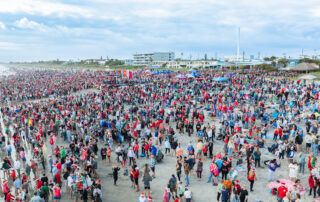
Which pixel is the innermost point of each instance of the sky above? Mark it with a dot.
(32, 30)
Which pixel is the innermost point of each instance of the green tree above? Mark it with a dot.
(164, 65)
(264, 66)
(272, 58)
(283, 62)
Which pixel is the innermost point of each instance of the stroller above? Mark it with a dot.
(159, 156)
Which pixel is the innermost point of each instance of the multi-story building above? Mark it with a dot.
(146, 59)
(163, 56)
(128, 62)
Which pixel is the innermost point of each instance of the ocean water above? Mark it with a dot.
(5, 71)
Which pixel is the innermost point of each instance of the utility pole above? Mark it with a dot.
(238, 47)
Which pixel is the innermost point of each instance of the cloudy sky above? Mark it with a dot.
(78, 29)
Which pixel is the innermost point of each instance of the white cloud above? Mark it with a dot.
(43, 8)
(9, 46)
(24, 23)
(2, 26)
(144, 25)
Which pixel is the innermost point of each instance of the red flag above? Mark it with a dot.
(130, 75)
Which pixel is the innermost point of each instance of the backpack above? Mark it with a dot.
(216, 171)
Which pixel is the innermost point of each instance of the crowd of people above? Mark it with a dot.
(55, 138)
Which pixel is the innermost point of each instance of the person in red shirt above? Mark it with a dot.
(57, 193)
(38, 183)
(58, 179)
(10, 197)
(282, 191)
(146, 148)
(59, 167)
(136, 178)
(280, 132)
(251, 178)
(24, 177)
(312, 186)
(275, 134)
(5, 188)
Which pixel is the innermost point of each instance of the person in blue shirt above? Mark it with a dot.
(219, 163)
(190, 149)
(272, 168)
(224, 194)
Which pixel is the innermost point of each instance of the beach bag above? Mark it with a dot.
(216, 171)
(239, 162)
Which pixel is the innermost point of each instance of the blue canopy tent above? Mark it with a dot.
(194, 71)
(164, 72)
(154, 67)
(196, 75)
(155, 72)
(220, 79)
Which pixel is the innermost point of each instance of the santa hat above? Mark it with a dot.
(237, 181)
(283, 183)
(98, 181)
(5, 181)
(142, 194)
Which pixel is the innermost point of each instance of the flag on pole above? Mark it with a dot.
(130, 75)
(124, 73)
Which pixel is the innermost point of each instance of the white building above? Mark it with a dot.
(92, 61)
(189, 64)
(147, 59)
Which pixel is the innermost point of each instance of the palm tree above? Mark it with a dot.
(283, 62)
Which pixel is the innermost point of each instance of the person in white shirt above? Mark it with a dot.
(308, 139)
(69, 184)
(17, 166)
(187, 195)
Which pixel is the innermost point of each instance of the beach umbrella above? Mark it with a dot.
(308, 77)
(181, 76)
(189, 76)
(289, 184)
